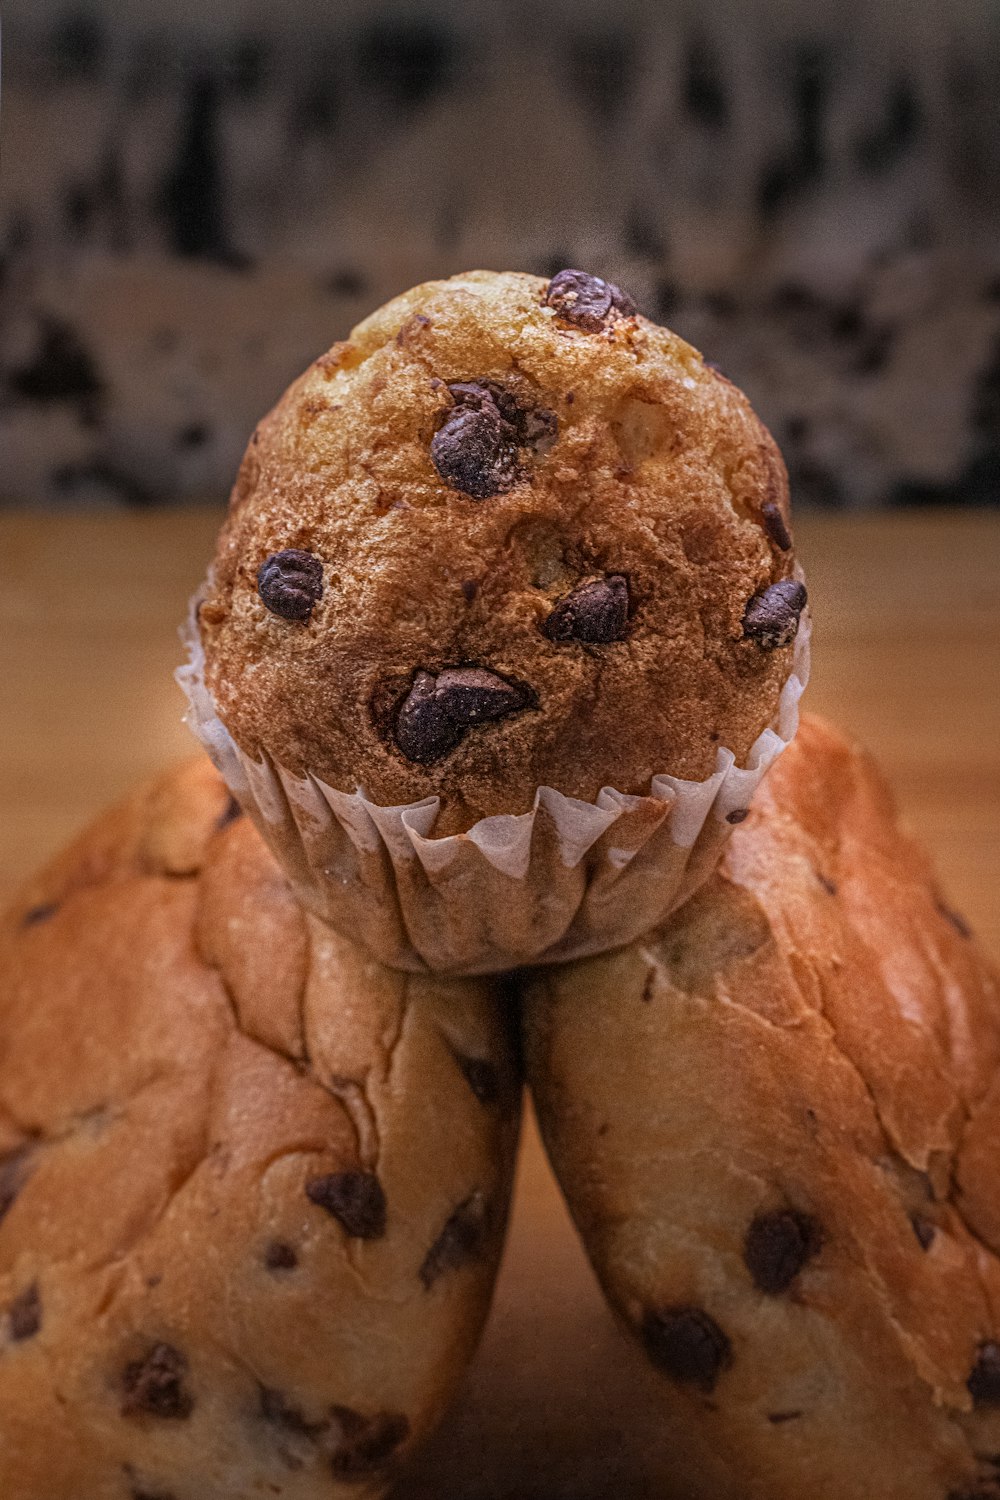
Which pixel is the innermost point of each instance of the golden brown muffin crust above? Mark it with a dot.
(625, 457)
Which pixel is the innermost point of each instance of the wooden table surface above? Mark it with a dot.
(906, 656)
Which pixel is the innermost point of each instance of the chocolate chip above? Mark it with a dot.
(473, 695)
(688, 1345)
(595, 612)
(356, 1199)
(774, 526)
(771, 619)
(280, 1412)
(425, 732)
(25, 1314)
(984, 1382)
(482, 1076)
(738, 815)
(777, 1417)
(587, 301)
(35, 915)
(924, 1230)
(470, 588)
(437, 712)
(14, 1172)
(777, 1246)
(537, 427)
(475, 450)
(232, 811)
(150, 1495)
(154, 1385)
(459, 1242)
(367, 1443)
(280, 1256)
(290, 583)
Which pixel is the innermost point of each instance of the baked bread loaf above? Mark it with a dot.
(776, 1122)
(510, 535)
(252, 1185)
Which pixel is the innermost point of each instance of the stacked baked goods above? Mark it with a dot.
(503, 632)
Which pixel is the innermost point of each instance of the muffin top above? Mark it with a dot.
(509, 534)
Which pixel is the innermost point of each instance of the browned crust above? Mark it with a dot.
(783, 1112)
(183, 1052)
(660, 472)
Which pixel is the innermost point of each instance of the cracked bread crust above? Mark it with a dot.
(617, 454)
(203, 1092)
(776, 1123)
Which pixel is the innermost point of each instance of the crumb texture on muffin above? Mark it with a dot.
(252, 1185)
(503, 476)
(776, 1124)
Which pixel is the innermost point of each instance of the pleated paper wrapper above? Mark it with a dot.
(565, 879)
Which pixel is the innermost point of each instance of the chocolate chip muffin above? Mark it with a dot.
(775, 1121)
(252, 1184)
(510, 535)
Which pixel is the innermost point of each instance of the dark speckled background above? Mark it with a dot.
(192, 206)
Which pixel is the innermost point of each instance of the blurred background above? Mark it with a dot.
(195, 201)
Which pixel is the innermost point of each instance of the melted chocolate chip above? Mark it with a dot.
(459, 1242)
(774, 526)
(367, 1443)
(290, 583)
(777, 1246)
(777, 1417)
(475, 451)
(280, 1256)
(473, 695)
(587, 301)
(25, 1315)
(14, 1172)
(280, 1412)
(595, 612)
(425, 732)
(924, 1230)
(356, 1199)
(437, 712)
(154, 1385)
(483, 1077)
(771, 619)
(35, 915)
(738, 815)
(984, 1381)
(150, 1495)
(688, 1345)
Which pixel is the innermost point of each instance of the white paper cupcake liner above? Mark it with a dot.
(566, 879)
